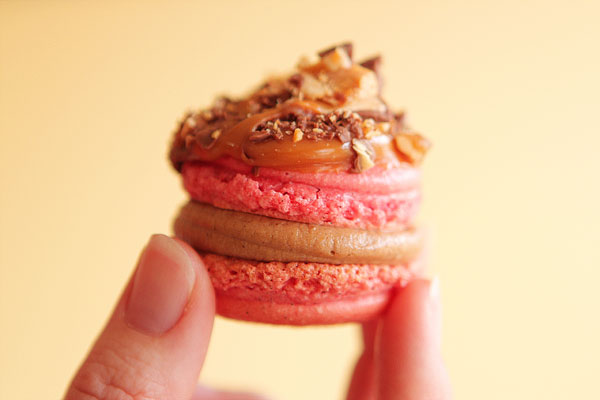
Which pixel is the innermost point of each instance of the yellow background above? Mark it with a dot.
(508, 91)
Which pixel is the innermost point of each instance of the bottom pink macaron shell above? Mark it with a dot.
(298, 293)
(358, 309)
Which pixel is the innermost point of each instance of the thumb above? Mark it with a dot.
(154, 344)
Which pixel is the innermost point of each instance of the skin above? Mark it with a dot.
(155, 342)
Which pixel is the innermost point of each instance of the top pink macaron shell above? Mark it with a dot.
(375, 199)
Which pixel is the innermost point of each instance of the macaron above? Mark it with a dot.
(303, 195)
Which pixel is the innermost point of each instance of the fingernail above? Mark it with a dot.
(162, 285)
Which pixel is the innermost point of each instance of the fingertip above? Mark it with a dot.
(407, 348)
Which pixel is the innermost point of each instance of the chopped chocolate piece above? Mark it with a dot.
(346, 46)
(262, 136)
(377, 116)
(296, 80)
(343, 124)
(374, 64)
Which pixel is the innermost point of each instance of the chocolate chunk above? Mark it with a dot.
(377, 116)
(296, 80)
(374, 64)
(346, 46)
(261, 136)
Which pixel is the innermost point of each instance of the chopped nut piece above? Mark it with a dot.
(412, 145)
(208, 115)
(370, 129)
(191, 122)
(368, 125)
(364, 158)
(297, 135)
(317, 130)
(215, 135)
(384, 127)
(337, 59)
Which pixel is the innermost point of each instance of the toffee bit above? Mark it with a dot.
(189, 140)
(412, 146)
(340, 97)
(347, 47)
(297, 135)
(215, 134)
(208, 115)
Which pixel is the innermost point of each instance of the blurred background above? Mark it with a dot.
(508, 91)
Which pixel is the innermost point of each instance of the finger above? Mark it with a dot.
(204, 393)
(362, 383)
(407, 350)
(154, 344)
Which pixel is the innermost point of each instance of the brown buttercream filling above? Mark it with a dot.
(255, 237)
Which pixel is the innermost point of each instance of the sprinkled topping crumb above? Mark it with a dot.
(297, 135)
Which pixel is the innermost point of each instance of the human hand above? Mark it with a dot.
(154, 344)
(401, 357)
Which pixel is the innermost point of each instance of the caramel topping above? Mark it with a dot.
(328, 115)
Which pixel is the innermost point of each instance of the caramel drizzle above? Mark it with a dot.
(285, 153)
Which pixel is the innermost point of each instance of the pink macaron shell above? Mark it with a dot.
(384, 199)
(301, 293)
(357, 309)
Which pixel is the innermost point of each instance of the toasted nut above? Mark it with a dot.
(364, 159)
(369, 128)
(191, 122)
(337, 59)
(298, 134)
(413, 146)
(384, 127)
